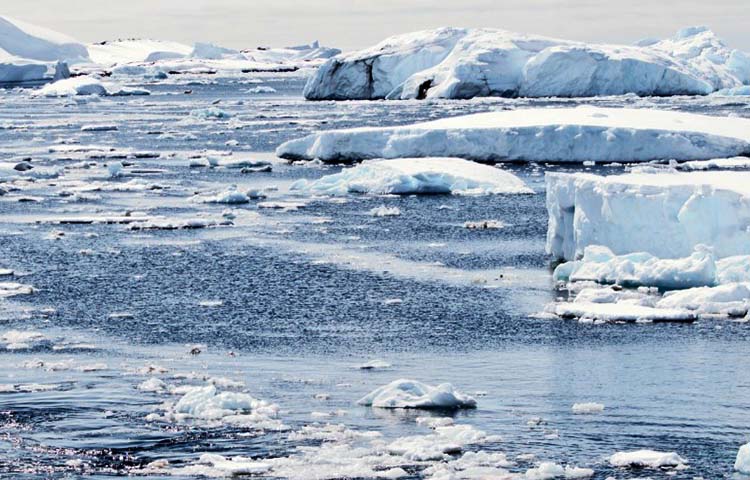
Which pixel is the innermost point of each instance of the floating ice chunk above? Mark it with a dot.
(233, 408)
(646, 458)
(374, 364)
(538, 134)
(153, 384)
(485, 225)
(115, 169)
(734, 163)
(742, 463)
(11, 289)
(444, 441)
(230, 197)
(588, 407)
(383, 211)
(21, 340)
(620, 312)
(261, 89)
(730, 299)
(413, 394)
(210, 113)
(600, 265)
(416, 175)
(211, 303)
(664, 214)
(99, 128)
(549, 470)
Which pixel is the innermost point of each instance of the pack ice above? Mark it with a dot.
(31, 53)
(538, 134)
(466, 63)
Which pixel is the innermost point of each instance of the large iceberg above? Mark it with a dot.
(664, 214)
(416, 175)
(539, 134)
(30, 53)
(466, 63)
(118, 52)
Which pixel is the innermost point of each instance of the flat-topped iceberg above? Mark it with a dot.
(413, 394)
(539, 134)
(416, 175)
(664, 214)
(117, 52)
(466, 63)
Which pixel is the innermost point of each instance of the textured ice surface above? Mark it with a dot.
(541, 134)
(413, 394)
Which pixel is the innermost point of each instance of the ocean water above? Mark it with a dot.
(288, 302)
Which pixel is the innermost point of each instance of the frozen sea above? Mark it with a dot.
(290, 298)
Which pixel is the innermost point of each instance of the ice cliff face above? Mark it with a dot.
(466, 63)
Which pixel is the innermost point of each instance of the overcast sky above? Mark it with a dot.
(350, 24)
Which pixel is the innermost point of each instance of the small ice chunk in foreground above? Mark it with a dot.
(412, 394)
(742, 463)
(646, 458)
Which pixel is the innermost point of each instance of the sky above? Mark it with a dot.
(351, 24)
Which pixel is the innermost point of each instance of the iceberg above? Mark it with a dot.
(742, 463)
(665, 214)
(413, 394)
(29, 53)
(117, 52)
(538, 134)
(86, 85)
(416, 175)
(466, 63)
(646, 458)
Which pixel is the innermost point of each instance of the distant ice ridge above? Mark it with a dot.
(539, 134)
(30, 53)
(416, 175)
(413, 394)
(665, 214)
(466, 63)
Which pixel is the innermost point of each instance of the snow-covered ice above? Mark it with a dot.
(665, 214)
(646, 458)
(416, 175)
(742, 462)
(466, 63)
(587, 407)
(620, 312)
(86, 85)
(413, 394)
(538, 134)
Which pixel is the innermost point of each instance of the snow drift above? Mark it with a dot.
(540, 134)
(466, 63)
(416, 175)
(664, 214)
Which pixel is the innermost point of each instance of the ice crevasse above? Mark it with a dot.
(466, 63)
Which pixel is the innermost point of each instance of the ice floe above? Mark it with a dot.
(620, 312)
(466, 63)
(383, 211)
(665, 214)
(539, 134)
(416, 175)
(742, 462)
(413, 394)
(587, 407)
(647, 458)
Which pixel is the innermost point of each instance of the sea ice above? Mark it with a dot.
(538, 134)
(416, 175)
(413, 394)
(646, 458)
(620, 312)
(742, 463)
(86, 85)
(588, 407)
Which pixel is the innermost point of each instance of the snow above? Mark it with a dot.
(742, 463)
(538, 134)
(646, 458)
(416, 175)
(588, 407)
(466, 63)
(86, 85)
(413, 394)
(666, 214)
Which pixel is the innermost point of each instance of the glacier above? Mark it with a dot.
(537, 134)
(465, 63)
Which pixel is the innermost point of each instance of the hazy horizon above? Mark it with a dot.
(355, 24)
